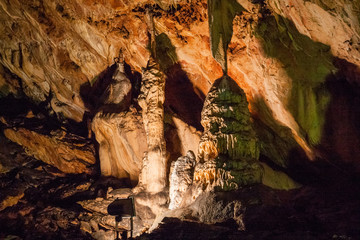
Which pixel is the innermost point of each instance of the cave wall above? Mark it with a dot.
(297, 62)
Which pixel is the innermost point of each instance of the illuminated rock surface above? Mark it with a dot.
(228, 128)
(151, 100)
(181, 178)
(284, 55)
(67, 152)
(119, 135)
(297, 63)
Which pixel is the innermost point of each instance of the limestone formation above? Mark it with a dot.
(50, 49)
(122, 143)
(117, 96)
(67, 152)
(229, 148)
(181, 177)
(180, 137)
(151, 99)
(119, 130)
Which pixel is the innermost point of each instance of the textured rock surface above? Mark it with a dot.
(117, 95)
(181, 178)
(151, 100)
(69, 153)
(118, 129)
(282, 54)
(229, 135)
(53, 48)
(122, 143)
(49, 208)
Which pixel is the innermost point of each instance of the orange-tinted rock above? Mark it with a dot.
(69, 153)
(151, 100)
(122, 143)
(55, 47)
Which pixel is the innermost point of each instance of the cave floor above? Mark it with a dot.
(43, 204)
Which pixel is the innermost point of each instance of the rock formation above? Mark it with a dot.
(151, 99)
(48, 50)
(122, 143)
(118, 129)
(67, 152)
(282, 84)
(117, 95)
(229, 149)
(181, 178)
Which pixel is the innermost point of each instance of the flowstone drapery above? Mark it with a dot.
(117, 128)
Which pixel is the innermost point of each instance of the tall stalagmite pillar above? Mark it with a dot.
(151, 99)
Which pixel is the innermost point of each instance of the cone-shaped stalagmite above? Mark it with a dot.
(229, 148)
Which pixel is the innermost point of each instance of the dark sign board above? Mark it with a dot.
(123, 207)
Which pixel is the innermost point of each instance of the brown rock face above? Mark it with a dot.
(285, 55)
(66, 152)
(122, 143)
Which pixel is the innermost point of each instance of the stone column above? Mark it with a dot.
(151, 99)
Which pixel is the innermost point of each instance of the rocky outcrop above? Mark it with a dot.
(118, 128)
(117, 95)
(67, 152)
(122, 143)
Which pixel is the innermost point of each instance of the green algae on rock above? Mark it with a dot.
(229, 149)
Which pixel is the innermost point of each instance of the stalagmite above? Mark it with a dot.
(181, 177)
(228, 149)
(117, 95)
(151, 100)
(116, 129)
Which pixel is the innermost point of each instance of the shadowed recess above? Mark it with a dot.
(308, 64)
(325, 91)
(180, 96)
